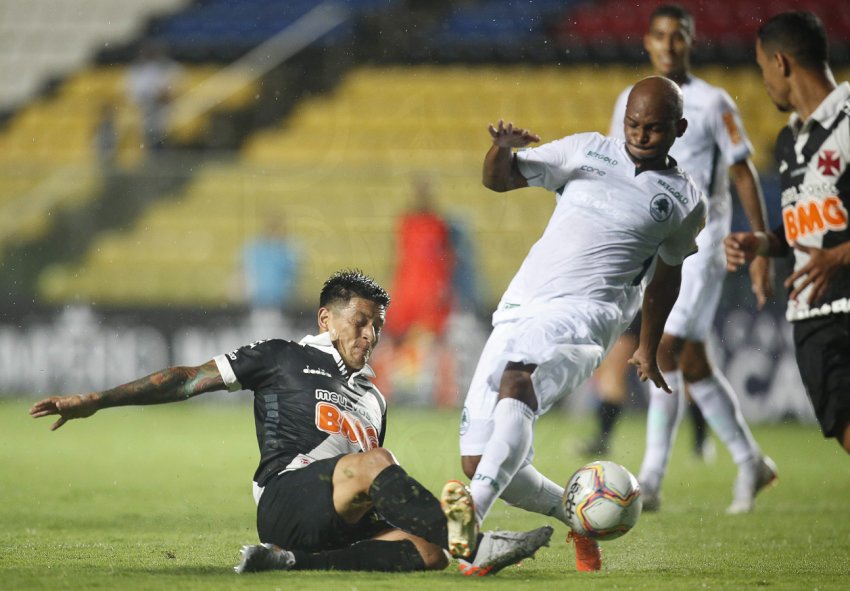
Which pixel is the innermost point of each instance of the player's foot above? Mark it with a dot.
(650, 497)
(459, 509)
(498, 549)
(749, 483)
(588, 552)
(260, 557)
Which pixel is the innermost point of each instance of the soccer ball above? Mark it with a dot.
(602, 500)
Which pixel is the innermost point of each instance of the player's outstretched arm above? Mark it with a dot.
(168, 385)
(661, 294)
(752, 200)
(500, 169)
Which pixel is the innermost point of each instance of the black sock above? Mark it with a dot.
(699, 426)
(608, 414)
(408, 505)
(374, 555)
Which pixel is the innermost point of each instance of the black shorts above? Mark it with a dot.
(823, 356)
(296, 512)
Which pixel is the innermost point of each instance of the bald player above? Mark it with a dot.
(625, 219)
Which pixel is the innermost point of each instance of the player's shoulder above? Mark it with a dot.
(679, 184)
(706, 93)
(591, 137)
(583, 141)
(285, 347)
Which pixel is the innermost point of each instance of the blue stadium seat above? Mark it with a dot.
(245, 24)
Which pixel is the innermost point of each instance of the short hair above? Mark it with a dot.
(350, 283)
(799, 34)
(675, 11)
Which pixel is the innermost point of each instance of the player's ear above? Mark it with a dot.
(681, 127)
(323, 319)
(782, 63)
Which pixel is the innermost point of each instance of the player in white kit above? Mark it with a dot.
(625, 218)
(714, 144)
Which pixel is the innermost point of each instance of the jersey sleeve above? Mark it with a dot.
(550, 165)
(683, 242)
(615, 129)
(729, 133)
(250, 366)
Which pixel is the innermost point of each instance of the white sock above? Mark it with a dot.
(504, 453)
(719, 406)
(532, 491)
(662, 420)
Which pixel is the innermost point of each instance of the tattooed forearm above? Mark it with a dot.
(168, 385)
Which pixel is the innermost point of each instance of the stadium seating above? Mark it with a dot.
(725, 28)
(43, 39)
(49, 158)
(228, 29)
(339, 170)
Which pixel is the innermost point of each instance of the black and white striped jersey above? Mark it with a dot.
(813, 161)
(307, 407)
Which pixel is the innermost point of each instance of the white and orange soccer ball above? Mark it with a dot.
(602, 500)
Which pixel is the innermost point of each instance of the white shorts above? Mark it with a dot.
(703, 273)
(566, 348)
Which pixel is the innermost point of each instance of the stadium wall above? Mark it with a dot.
(80, 349)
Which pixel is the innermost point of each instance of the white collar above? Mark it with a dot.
(826, 111)
(323, 343)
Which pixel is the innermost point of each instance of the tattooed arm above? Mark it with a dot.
(168, 385)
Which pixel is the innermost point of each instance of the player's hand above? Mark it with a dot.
(761, 279)
(508, 136)
(647, 369)
(741, 248)
(817, 272)
(67, 407)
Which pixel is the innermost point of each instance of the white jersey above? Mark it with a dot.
(608, 226)
(714, 141)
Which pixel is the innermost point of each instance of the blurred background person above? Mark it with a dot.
(270, 268)
(812, 153)
(152, 82)
(105, 138)
(423, 298)
(714, 148)
(615, 384)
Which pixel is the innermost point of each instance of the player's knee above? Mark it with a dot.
(469, 464)
(694, 363)
(516, 383)
(669, 351)
(360, 469)
(376, 460)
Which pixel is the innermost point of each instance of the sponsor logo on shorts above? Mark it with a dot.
(661, 207)
(464, 421)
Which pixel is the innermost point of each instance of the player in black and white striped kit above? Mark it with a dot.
(329, 496)
(812, 153)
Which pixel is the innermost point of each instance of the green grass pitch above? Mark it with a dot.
(160, 498)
